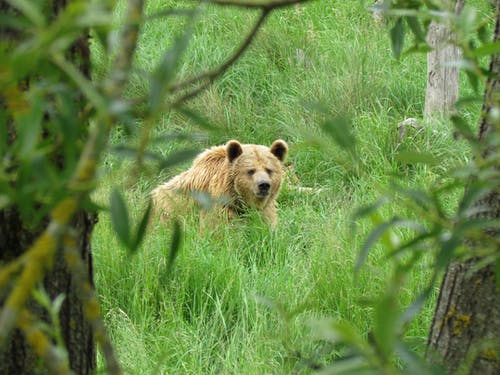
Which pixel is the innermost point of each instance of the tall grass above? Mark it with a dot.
(242, 299)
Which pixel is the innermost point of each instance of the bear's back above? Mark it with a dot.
(209, 173)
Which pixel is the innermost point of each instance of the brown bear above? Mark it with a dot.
(236, 175)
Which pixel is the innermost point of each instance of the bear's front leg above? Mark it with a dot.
(270, 215)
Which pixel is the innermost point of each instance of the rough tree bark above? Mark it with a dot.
(442, 79)
(18, 357)
(465, 332)
(15, 237)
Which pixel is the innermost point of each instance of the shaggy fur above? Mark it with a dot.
(244, 175)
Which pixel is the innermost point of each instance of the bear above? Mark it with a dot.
(235, 175)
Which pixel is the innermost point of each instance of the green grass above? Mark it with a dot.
(216, 312)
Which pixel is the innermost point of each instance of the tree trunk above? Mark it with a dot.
(465, 332)
(442, 79)
(466, 325)
(17, 357)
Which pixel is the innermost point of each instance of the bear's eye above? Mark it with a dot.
(251, 172)
(269, 171)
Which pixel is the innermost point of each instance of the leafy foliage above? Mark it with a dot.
(49, 101)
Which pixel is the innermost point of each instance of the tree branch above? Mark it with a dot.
(211, 75)
(262, 4)
(43, 346)
(89, 301)
(128, 43)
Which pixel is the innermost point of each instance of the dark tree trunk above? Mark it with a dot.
(465, 332)
(466, 325)
(15, 237)
(18, 357)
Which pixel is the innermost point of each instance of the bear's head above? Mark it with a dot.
(256, 171)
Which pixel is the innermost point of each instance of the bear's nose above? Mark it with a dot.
(264, 187)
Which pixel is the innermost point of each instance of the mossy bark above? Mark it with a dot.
(466, 328)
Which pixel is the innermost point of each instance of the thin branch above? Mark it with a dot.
(39, 258)
(128, 44)
(89, 301)
(262, 4)
(211, 75)
(56, 364)
(9, 270)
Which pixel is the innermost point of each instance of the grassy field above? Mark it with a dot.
(243, 299)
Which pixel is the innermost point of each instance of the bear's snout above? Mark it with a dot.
(264, 187)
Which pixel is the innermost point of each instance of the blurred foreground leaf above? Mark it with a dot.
(120, 217)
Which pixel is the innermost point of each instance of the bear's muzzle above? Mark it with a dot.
(264, 187)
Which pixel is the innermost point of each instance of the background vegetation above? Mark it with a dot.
(242, 299)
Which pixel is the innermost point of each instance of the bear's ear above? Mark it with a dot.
(279, 149)
(233, 150)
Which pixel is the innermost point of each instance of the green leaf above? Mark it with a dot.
(397, 37)
(171, 12)
(487, 49)
(411, 244)
(30, 10)
(120, 218)
(165, 72)
(477, 225)
(449, 243)
(419, 196)
(141, 229)
(57, 303)
(175, 245)
(275, 306)
(432, 5)
(197, 118)
(3, 133)
(178, 157)
(471, 195)
(467, 21)
(468, 100)
(337, 332)
(41, 296)
(386, 324)
(100, 34)
(497, 274)
(339, 129)
(416, 305)
(176, 136)
(413, 157)
(84, 85)
(417, 48)
(91, 206)
(368, 209)
(131, 152)
(482, 33)
(473, 79)
(415, 27)
(29, 125)
(370, 241)
(349, 365)
(462, 127)
(415, 364)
